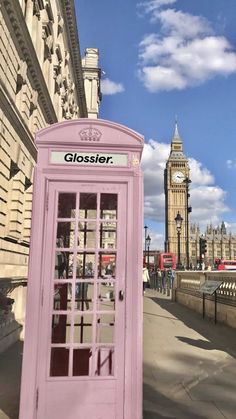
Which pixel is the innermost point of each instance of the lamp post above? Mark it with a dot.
(178, 221)
(145, 242)
(188, 210)
(148, 240)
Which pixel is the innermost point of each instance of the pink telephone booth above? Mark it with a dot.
(83, 342)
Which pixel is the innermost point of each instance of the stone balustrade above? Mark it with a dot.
(187, 292)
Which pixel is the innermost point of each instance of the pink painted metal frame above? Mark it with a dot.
(91, 136)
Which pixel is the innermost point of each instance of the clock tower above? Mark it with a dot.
(176, 180)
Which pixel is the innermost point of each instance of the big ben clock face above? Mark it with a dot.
(178, 177)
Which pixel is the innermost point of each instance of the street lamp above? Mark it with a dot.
(148, 240)
(188, 210)
(178, 221)
(145, 242)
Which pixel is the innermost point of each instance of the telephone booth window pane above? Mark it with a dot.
(63, 265)
(84, 296)
(108, 235)
(61, 328)
(83, 328)
(87, 235)
(85, 265)
(105, 328)
(81, 361)
(107, 265)
(66, 205)
(88, 205)
(65, 234)
(108, 206)
(105, 296)
(59, 365)
(104, 362)
(62, 297)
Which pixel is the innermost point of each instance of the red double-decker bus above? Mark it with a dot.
(166, 260)
(225, 265)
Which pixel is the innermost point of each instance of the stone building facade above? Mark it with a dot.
(42, 81)
(220, 244)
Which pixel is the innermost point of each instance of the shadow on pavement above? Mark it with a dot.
(156, 405)
(10, 377)
(220, 336)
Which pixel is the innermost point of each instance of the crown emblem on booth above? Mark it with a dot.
(90, 134)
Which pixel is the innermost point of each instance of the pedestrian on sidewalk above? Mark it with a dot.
(146, 278)
(159, 283)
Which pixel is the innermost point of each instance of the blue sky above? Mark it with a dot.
(163, 58)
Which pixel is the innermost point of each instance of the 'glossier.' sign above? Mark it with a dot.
(77, 158)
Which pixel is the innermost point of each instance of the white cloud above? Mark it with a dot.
(152, 5)
(161, 78)
(183, 25)
(157, 239)
(185, 52)
(231, 227)
(231, 164)
(207, 199)
(208, 204)
(200, 175)
(109, 87)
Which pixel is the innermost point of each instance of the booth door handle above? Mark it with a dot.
(121, 295)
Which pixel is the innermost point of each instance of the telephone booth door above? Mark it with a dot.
(81, 354)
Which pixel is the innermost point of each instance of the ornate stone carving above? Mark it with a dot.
(21, 75)
(67, 56)
(48, 40)
(60, 21)
(48, 8)
(58, 52)
(33, 101)
(37, 6)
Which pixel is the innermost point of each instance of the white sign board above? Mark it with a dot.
(78, 158)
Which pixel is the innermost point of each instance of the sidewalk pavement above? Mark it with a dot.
(189, 365)
(10, 375)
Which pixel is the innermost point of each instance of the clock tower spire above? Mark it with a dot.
(176, 176)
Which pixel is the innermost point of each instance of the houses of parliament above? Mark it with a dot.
(220, 243)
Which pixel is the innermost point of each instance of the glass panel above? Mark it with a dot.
(66, 205)
(108, 235)
(82, 361)
(61, 328)
(83, 328)
(105, 296)
(87, 235)
(88, 205)
(84, 296)
(85, 265)
(65, 234)
(107, 265)
(104, 361)
(105, 328)
(59, 362)
(62, 297)
(63, 265)
(108, 206)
